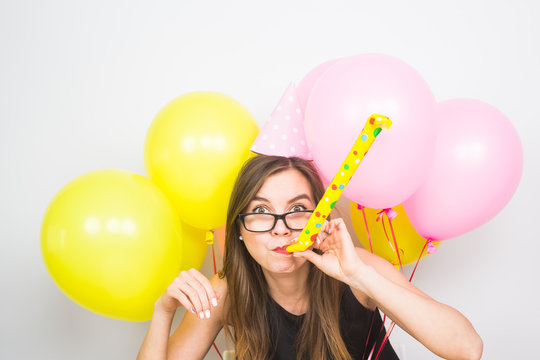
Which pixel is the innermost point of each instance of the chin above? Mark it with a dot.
(288, 264)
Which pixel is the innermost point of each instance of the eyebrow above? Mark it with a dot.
(294, 199)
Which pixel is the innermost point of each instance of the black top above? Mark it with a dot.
(355, 323)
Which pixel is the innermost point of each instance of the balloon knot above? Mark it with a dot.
(360, 207)
(430, 247)
(210, 237)
(390, 213)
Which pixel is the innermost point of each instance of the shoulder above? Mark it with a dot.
(219, 283)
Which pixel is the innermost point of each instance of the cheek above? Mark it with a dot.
(254, 245)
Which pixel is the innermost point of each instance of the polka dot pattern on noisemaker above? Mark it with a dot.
(339, 182)
(283, 134)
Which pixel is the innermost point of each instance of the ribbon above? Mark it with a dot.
(215, 347)
(430, 249)
(390, 214)
(362, 207)
(390, 328)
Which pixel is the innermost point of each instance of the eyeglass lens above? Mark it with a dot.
(265, 222)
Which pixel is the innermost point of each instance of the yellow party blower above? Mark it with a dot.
(364, 141)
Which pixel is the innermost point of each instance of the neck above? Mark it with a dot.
(289, 290)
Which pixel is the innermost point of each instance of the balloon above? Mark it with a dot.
(306, 84)
(194, 247)
(111, 242)
(194, 150)
(410, 244)
(477, 168)
(348, 93)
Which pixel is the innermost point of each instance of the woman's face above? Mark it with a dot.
(281, 193)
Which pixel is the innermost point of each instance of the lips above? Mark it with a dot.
(281, 250)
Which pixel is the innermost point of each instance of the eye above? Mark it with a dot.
(298, 208)
(260, 210)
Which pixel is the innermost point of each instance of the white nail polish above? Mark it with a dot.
(201, 315)
(192, 310)
(214, 302)
(207, 313)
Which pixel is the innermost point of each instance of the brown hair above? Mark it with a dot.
(319, 336)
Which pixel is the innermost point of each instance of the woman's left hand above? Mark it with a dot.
(339, 258)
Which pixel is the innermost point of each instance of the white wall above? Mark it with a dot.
(81, 81)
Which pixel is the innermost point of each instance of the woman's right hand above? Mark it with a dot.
(192, 290)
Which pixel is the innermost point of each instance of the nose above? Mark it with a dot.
(280, 228)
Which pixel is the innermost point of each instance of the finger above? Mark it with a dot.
(183, 299)
(195, 306)
(325, 227)
(193, 291)
(310, 256)
(202, 296)
(322, 236)
(324, 247)
(333, 227)
(340, 224)
(210, 293)
(325, 244)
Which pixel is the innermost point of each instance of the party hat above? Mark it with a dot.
(283, 134)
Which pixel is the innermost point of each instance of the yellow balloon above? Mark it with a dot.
(194, 150)
(410, 243)
(111, 241)
(194, 247)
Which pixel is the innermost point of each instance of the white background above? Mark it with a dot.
(81, 81)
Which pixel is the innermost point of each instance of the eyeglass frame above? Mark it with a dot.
(276, 218)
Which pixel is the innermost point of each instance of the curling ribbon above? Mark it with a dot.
(362, 207)
(431, 249)
(418, 261)
(390, 214)
(390, 328)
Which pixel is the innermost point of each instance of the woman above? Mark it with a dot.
(316, 304)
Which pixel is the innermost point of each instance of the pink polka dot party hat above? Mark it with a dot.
(283, 134)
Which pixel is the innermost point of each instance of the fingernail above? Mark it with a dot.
(201, 315)
(214, 302)
(207, 313)
(192, 310)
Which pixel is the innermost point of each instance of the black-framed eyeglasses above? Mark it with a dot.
(263, 222)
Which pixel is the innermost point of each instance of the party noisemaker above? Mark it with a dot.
(373, 127)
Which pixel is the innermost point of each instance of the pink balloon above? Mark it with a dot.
(477, 168)
(306, 84)
(340, 103)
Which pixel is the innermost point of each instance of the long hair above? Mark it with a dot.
(319, 336)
